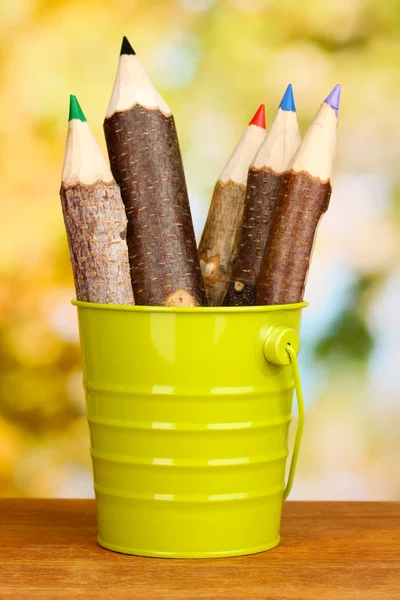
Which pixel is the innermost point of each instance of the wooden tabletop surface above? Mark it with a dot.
(329, 550)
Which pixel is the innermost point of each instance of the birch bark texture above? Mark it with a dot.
(303, 198)
(94, 218)
(146, 162)
(263, 182)
(219, 243)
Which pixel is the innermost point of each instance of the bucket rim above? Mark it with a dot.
(190, 309)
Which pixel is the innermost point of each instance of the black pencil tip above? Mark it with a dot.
(126, 48)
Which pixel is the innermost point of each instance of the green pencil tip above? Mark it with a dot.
(75, 111)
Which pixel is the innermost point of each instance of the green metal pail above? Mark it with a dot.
(189, 410)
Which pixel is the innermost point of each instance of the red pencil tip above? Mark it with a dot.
(259, 117)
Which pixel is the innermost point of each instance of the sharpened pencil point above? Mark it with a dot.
(259, 117)
(126, 48)
(334, 98)
(75, 111)
(287, 102)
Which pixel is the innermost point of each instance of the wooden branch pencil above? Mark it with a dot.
(303, 198)
(94, 217)
(263, 182)
(220, 239)
(146, 162)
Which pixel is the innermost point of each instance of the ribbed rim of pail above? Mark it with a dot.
(192, 309)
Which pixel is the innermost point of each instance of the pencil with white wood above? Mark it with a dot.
(146, 162)
(94, 217)
(219, 243)
(263, 182)
(303, 198)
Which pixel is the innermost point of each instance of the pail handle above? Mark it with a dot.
(280, 348)
(300, 424)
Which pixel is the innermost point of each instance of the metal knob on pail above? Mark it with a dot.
(189, 411)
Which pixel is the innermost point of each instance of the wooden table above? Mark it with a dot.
(329, 550)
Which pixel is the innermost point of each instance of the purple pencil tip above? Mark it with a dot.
(334, 98)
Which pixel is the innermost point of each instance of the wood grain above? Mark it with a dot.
(146, 162)
(219, 242)
(95, 222)
(261, 194)
(301, 202)
(329, 551)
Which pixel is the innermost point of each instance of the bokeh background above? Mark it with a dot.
(215, 62)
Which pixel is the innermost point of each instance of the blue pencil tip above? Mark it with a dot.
(287, 102)
(334, 98)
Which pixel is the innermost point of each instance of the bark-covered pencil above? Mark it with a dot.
(220, 239)
(263, 182)
(146, 162)
(94, 217)
(303, 199)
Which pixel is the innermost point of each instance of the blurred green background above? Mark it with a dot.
(214, 62)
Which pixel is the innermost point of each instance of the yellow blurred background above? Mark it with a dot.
(214, 61)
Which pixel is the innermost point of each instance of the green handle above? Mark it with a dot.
(280, 348)
(300, 424)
